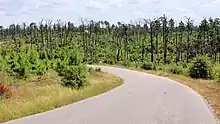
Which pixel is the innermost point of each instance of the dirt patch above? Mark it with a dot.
(5, 91)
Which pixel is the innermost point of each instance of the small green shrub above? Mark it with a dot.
(174, 69)
(25, 63)
(75, 77)
(216, 72)
(158, 67)
(148, 66)
(201, 68)
(59, 66)
(2, 63)
(126, 63)
(183, 64)
(42, 67)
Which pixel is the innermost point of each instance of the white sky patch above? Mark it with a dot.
(115, 3)
(143, 1)
(215, 3)
(210, 4)
(112, 10)
(95, 4)
(138, 15)
(183, 10)
(141, 15)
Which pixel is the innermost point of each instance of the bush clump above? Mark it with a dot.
(216, 72)
(75, 77)
(201, 68)
(148, 66)
(69, 64)
(174, 69)
(28, 61)
(24, 64)
(159, 67)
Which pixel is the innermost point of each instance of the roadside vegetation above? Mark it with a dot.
(40, 94)
(184, 50)
(39, 76)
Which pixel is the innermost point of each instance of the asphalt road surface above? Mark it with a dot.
(142, 99)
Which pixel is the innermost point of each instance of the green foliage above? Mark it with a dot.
(148, 66)
(183, 64)
(59, 66)
(174, 69)
(75, 76)
(216, 72)
(2, 63)
(201, 68)
(159, 67)
(32, 50)
(68, 63)
(126, 63)
(109, 61)
(25, 63)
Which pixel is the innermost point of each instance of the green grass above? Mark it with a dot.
(40, 95)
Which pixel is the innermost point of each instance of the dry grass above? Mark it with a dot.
(44, 94)
(209, 89)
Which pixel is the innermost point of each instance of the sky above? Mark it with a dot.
(18, 11)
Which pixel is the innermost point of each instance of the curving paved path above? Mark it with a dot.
(142, 99)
